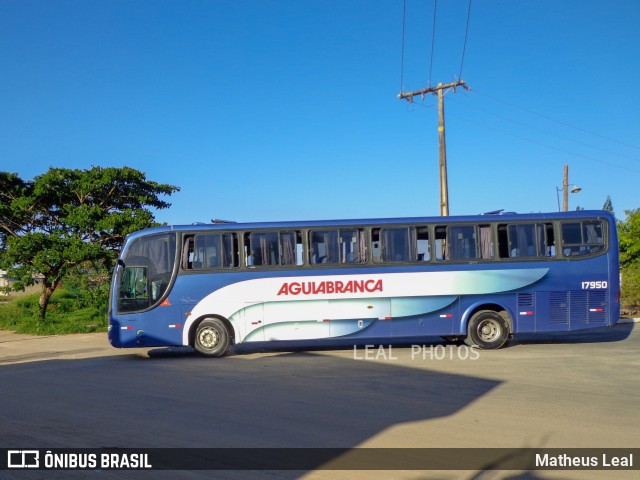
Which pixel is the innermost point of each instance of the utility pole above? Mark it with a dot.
(565, 189)
(439, 90)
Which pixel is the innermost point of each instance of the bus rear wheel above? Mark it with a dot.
(487, 330)
(212, 338)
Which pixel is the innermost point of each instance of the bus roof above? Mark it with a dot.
(361, 222)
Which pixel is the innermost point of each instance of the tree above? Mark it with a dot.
(629, 243)
(608, 206)
(64, 218)
(629, 239)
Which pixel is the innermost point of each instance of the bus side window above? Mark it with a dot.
(528, 240)
(337, 246)
(352, 246)
(249, 254)
(324, 247)
(291, 248)
(376, 248)
(210, 250)
(462, 242)
(394, 244)
(230, 250)
(441, 242)
(273, 248)
(262, 248)
(582, 238)
(503, 241)
(423, 250)
(522, 240)
(551, 239)
(187, 253)
(400, 244)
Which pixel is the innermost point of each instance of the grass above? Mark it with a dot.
(64, 315)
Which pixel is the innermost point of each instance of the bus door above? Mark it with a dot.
(164, 325)
(158, 327)
(145, 319)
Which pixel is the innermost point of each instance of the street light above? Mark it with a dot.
(574, 189)
(565, 190)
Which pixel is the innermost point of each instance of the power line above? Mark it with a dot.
(404, 17)
(560, 122)
(553, 134)
(561, 150)
(433, 38)
(433, 41)
(466, 32)
(438, 90)
(541, 144)
(442, 149)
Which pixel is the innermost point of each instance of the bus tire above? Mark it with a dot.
(212, 338)
(487, 330)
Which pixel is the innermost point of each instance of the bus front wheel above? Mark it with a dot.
(487, 330)
(212, 338)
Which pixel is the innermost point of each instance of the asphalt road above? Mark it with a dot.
(559, 391)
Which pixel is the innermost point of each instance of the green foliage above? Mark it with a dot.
(64, 218)
(608, 205)
(631, 290)
(66, 315)
(88, 284)
(629, 238)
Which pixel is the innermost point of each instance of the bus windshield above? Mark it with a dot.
(145, 278)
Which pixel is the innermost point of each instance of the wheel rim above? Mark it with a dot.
(208, 338)
(488, 330)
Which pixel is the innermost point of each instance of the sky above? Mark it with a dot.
(265, 110)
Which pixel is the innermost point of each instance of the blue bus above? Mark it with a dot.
(479, 278)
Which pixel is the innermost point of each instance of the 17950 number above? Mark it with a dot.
(594, 285)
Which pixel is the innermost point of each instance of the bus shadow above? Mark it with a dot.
(293, 346)
(291, 400)
(615, 333)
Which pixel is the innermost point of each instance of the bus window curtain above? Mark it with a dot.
(486, 247)
(264, 250)
(288, 249)
(185, 253)
(541, 245)
(362, 247)
(592, 235)
(227, 247)
(331, 245)
(456, 244)
(385, 240)
(523, 241)
(413, 244)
